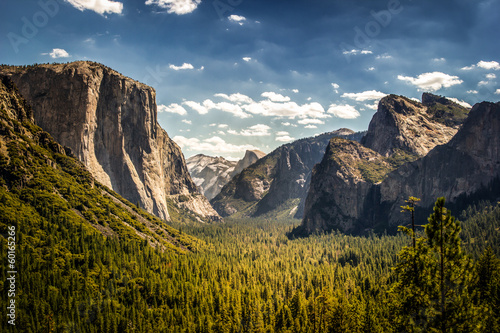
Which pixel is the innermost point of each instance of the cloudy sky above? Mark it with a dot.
(232, 75)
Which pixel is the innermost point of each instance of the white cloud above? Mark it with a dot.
(196, 106)
(234, 109)
(189, 122)
(236, 98)
(483, 83)
(335, 87)
(311, 126)
(179, 7)
(99, 6)
(370, 69)
(459, 102)
(368, 95)
(223, 126)
(281, 133)
(274, 97)
(183, 66)
(432, 81)
(374, 106)
(247, 59)
(59, 53)
(472, 92)
(237, 18)
(343, 111)
(439, 59)
(311, 121)
(295, 91)
(288, 124)
(497, 92)
(172, 108)
(289, 109)
(214, 145)
(383, 56)
(489, 65)
(356, 52)
(284, 138)
(256, 130)
(491, 76)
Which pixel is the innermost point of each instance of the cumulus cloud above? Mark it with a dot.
(179, 7)
(237, 18)
(356, 52)
(491, 76)
(311, 126)
(497, 92)
(472, 92)
(58, 53)
(185, 121)
(183, 66)
(383, 56)
(432, 81)
(335, 87)
(369, 95)
(99, 6)
(255, 130)
(490, 65)
(236, 98)
(282, 133)
(196, 106)
(343, 111)
(289, 109)
(284, 138)
(234, 109)
(272, 96)
(247, 59)
(311, 121)
(295, 91)
(213, 145)
(459, 102)
(172, 108)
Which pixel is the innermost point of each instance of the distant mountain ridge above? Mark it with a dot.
(210, 174)
(276, 184)
(110, 123)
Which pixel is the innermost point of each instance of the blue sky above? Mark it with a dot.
(232, 75)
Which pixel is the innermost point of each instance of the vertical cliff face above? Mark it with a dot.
(277, 184)
(109, 122)
(251, 156)
(467, 168)
(355, 188)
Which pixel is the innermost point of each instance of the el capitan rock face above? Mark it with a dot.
(110, 123)
(362, 187)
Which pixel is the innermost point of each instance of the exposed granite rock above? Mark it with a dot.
(209, 173)
(467, 165)
(110, 123)
(340, 187)
(251, 156)
(344, 196)
(404, 124)
(281, 177)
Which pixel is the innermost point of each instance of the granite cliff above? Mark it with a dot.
(276, 184)
(110, 123)
(358, 187)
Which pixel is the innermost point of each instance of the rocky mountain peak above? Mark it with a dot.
(251, 156)
(402, 124)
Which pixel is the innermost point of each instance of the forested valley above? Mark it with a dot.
(248, 276)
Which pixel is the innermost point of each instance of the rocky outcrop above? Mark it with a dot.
(110, 123)
(210, 174)
(354, 189)
(465, 169)
(277, 183)
(404, 124)
(251, 156)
